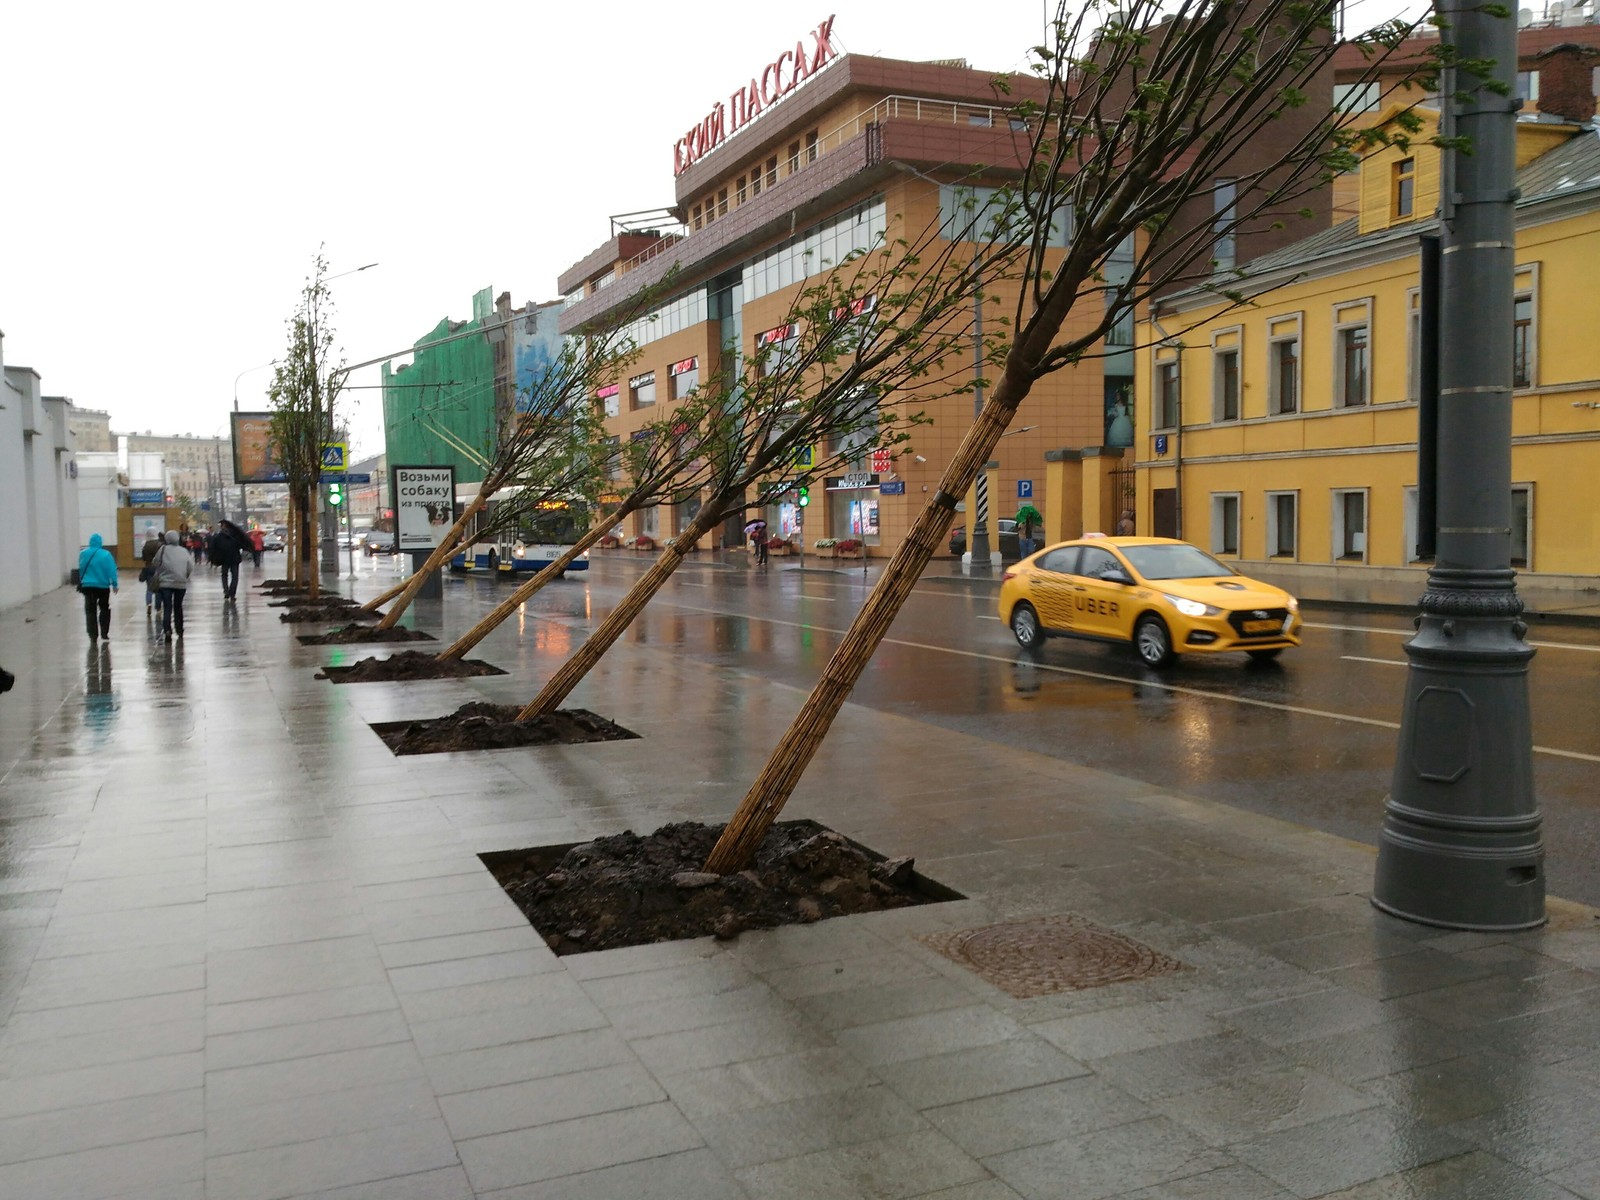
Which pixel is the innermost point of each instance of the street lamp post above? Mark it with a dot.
(1461, 845)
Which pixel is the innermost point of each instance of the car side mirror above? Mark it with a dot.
(1116, 575)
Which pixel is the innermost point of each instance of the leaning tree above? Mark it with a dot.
(860, 348)
(659, 465)
(1146, 107)
(547, 452)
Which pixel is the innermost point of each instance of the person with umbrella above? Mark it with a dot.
(756, 531)
(229, 544)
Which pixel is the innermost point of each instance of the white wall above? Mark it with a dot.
(38, 488)
(98, 495)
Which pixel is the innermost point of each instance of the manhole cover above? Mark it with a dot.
(1050, 954)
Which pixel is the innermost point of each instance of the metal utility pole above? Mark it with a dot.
(1461, 845)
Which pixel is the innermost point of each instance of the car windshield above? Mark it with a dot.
(1174, 562)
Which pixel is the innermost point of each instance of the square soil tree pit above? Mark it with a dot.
(627, 890)
(408, 666)
(484, 726)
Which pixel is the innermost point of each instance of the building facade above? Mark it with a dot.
(38, 488)
(860, 150)
(91, 430)
(846, 153)
(1282, 433)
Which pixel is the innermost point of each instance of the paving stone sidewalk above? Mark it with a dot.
(245, 954)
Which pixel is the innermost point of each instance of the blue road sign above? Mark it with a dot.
(1161, 443)
(333, 456)
(897, 488)
(346, 477)
(1024, 489)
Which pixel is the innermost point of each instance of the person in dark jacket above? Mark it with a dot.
(147, 553)
(97, 579)
(228, 545)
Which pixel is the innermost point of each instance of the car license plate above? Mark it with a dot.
(1261, 627)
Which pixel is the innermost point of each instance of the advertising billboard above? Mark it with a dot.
(253, 459)
(424, 506)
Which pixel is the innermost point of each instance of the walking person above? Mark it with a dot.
(147, 553)
(228, 545)
(97, 579)
(173, 568)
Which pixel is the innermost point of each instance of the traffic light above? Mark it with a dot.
(335, 494)
(805, 496)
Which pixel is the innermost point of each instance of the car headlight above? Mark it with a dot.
(1292, 604)
(1191, 608)
(519, 550)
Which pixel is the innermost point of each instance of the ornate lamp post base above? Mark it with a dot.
(1461, 845)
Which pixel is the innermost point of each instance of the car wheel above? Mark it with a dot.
(1151, 641)
(1265, 655)
(1025, 626)
(494, 560)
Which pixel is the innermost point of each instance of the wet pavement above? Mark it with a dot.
(247, 954)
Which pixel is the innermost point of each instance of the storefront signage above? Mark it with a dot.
(154, 497)
(639, 381)
(775, 81)
(424, 502)
(684, 365)
(780, 334)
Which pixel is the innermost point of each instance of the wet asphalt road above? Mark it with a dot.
(1310, 738)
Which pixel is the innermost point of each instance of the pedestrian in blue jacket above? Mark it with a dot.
(97, 579)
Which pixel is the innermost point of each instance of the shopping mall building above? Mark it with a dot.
(818, 155)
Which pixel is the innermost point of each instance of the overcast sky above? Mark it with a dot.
(170, 169)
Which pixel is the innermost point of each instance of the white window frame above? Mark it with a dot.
(1336, 545)
(1288, 328)
(1219, 510)
(1345, 318)
(1413, 344)
(1158, 393)
(1528, 528)
(1236, 348)
(1352, 98)
(1272, 526)
(1410, 509)
(1527, 286)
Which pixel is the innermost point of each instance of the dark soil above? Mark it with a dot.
(409, 665)
(301, 615)
(283, 585)
(481, 726)
(628, 890)
(356, 632)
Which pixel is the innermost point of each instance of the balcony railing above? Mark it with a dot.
(891, 108)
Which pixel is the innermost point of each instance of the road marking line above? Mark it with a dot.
(1388, 662)
(1177, 689)
(1409, 632)
(809, 596)
(691, 583)
(987, 617)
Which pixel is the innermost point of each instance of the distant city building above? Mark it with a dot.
(197, 466)
(91, 429)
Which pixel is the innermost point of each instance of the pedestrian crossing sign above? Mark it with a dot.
(333, 456)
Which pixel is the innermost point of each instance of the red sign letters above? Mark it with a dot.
(776, 80)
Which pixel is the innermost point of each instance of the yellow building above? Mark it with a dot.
(1282, 432)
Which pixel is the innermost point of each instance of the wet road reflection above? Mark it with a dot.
(1309, 737)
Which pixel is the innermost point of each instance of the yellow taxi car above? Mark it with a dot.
(1164, 597)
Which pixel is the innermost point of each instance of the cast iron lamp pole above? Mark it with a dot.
(1461, 845)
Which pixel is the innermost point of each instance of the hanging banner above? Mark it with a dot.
(424, 506)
